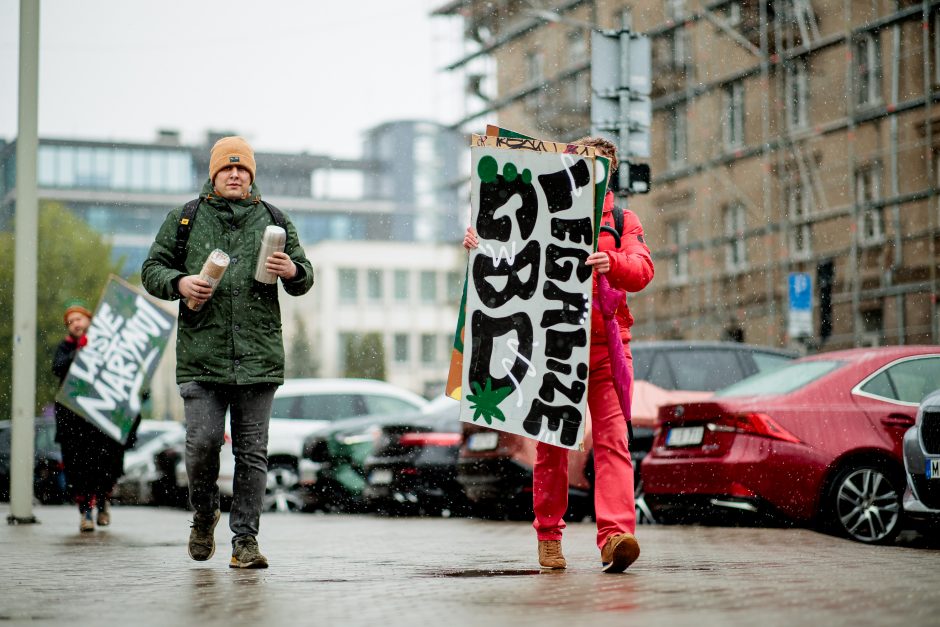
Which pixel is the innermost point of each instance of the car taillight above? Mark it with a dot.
(753, 423)
(429, 439)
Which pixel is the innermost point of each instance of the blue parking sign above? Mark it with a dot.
(800, 312)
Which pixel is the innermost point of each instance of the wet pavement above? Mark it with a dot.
(357, 570)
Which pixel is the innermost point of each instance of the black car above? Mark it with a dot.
(413, 466)
(49, 485)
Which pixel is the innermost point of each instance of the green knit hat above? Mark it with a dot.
(73, 305)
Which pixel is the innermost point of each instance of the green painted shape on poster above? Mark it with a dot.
(485, 401)
(488, 169)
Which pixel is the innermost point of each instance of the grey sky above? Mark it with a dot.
(288, 74)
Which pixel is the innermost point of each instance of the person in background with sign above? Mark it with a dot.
(93, 460)
(229, 350)
(628, 267)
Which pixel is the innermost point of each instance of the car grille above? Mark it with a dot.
(930, 432)
(928, 490)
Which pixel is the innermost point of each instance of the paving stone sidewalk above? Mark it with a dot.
(366, 570)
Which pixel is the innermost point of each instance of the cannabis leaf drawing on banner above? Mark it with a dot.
(485, 401)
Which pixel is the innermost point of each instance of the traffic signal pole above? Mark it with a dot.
(621, 109)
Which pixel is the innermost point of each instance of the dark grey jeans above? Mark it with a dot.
(205, 406)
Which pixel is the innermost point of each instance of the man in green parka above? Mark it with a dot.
(229, 350)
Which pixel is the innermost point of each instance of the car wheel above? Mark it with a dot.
(865, 504)
(644, 516)
(283, 492)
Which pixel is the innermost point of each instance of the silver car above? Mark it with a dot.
(922, 462)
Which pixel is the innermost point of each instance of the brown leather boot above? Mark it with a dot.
(619, 552)
(550, 555)
(104, 514)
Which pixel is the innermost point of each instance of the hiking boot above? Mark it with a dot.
(245, 554)
(550, 555)
(87, 523)
(619, 552)
(202, 535)
(104, 514)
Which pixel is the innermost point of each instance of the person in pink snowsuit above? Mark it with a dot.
(626, 267)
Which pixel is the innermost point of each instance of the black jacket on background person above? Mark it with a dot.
(93, 460)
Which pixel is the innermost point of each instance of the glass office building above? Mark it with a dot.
(124, 190)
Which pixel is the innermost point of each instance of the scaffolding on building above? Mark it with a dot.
(879, 273)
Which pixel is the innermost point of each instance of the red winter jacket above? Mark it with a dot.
(631, 267)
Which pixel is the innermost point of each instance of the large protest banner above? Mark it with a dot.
(528, 300)
(125, 341)
(454, 385)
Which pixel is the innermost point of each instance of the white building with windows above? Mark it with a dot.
(408, 292)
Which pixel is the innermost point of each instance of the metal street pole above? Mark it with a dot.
(24, 291)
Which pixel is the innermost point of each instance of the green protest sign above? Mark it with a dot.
(125, 341)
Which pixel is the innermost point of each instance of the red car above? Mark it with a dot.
(818, 440)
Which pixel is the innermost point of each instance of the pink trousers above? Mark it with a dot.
(613, 469)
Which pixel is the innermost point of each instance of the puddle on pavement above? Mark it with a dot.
(486, 573)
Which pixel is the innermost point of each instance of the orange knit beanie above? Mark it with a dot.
(228, 151)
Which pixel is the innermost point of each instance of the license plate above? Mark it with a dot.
(380, 476)
(933, 468)
(685, 436)
(485, 441)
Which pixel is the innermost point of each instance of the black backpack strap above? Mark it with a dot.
(276, 215)
(618, 220)
(183, 229)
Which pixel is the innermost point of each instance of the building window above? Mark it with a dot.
(577, 47)
(577, 90)
(677, 137)
(428, 286)
(348, 285)
(798, 210)
(346, 342)
(734, 115)
(873, 327)
(675, 10)
(428, 348)
(401, 348)
(374, 284)
(535, 77)
(733, 11)
(868, 197)
(936, 47)
(735, 248)
(867, 69)
(401, 285)
(447, 342)
(679, 240)
(797, 95)
(454, 286)
(535, 67)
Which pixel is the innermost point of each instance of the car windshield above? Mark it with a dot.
(318, 406)
(781, 381)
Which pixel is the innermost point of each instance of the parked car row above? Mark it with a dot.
(49, 485)
(825, 440)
